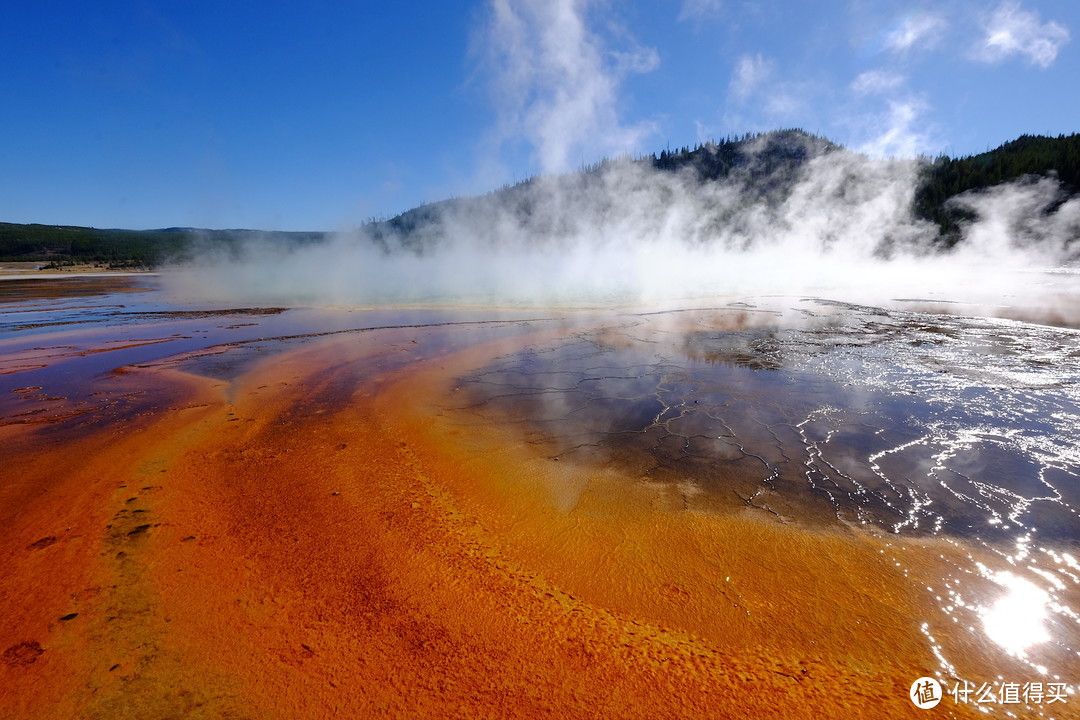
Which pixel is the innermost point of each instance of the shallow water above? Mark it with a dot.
(64, 343)
(949, 428)
(916, 423)
(943, 441)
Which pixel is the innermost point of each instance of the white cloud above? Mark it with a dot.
(556, 83)
(772, 101)
(784, 105)
(750, 73)
(696, 9)
(877, 82)
(760, 98)
(916, 30)
(1010, 30)
(897, 134)
(639, 60)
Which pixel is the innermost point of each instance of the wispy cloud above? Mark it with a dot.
(897, 126)
(898, 131)
(751, 71)
(917, 30)
(697, 9)
(1010, 31)
(760, 97)
(877, 82)
(556, 81)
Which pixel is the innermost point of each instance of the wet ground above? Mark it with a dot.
(65, 344)
(768, 490)
(915, 423)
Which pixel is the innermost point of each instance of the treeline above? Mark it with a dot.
(767, 164)
(1027, 156)
(770, 161)
(61, 245)
(64, 244)
(760, 154)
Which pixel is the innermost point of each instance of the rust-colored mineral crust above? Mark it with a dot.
(287, 544)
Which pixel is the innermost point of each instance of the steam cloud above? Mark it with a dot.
(555, 81)
(625, 233)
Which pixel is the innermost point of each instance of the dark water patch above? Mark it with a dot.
(914, 423)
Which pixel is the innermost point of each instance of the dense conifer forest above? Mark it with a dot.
(765, 162)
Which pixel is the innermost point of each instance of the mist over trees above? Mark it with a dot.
(765, 168)
(756, 174)
(1029, 156)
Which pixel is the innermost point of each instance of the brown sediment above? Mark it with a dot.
(155, 315)
(322, 537)
(34, 268)
(24, 287)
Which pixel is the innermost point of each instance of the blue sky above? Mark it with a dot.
(320, 115)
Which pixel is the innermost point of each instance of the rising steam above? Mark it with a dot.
(627, 233)
(839, 222)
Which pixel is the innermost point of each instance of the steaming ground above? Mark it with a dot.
(627, 234)
(442, 507)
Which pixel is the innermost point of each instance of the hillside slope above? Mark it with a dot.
(763, 168)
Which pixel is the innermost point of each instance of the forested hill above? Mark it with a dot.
(59, 245)
(944, 176)
(779, 154)
(759, 155)
(784, 151)
(1028, 155)
(766, 165)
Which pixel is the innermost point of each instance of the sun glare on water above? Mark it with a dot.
(1017, 620)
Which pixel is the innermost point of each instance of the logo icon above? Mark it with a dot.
(925, 693)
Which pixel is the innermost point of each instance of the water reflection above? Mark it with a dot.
(899, 423)
(916, 423)
(948, 429)
(66, 344)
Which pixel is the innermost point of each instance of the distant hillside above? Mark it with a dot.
(1028, 155)
(67, 244)
(768, 160)
(766, 166)
(64, 243)
(774, 158)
